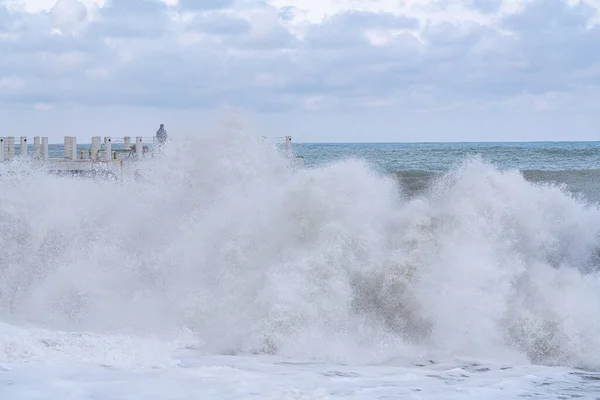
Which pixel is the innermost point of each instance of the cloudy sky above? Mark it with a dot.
(319, 70)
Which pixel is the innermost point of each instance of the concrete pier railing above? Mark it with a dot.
(138, 147)
(109, 153)
(115, 159)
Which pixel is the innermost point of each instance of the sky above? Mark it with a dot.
(318, 70)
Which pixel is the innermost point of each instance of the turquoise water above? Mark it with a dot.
(574, 165)
(436, 157)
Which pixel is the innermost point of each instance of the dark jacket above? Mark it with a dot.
(161, 134)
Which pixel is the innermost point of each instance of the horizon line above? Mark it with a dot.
(410, 142)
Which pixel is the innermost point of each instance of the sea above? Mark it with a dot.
(375, 271)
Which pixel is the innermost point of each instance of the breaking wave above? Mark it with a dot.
(233, 245)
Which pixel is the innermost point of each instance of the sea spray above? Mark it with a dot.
(223, 238)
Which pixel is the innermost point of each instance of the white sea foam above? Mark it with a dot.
(231, 250)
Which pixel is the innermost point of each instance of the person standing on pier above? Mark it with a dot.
(161, 135)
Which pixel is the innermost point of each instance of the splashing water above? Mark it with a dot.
(230, 245)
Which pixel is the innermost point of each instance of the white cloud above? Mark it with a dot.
(284, 56)
(68, 16)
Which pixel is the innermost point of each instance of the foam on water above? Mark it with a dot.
(231, 250)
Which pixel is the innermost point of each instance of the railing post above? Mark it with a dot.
(2, 140)
(107, 148)
(70, 150)
(95, 147)
(73, 147)
(23, 146)
(45, 148)
(288, 143)
(126, 143)
(10, 147)
(67, 147)
(139, 147)
(37, 150)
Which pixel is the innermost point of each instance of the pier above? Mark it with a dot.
(116, 156)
